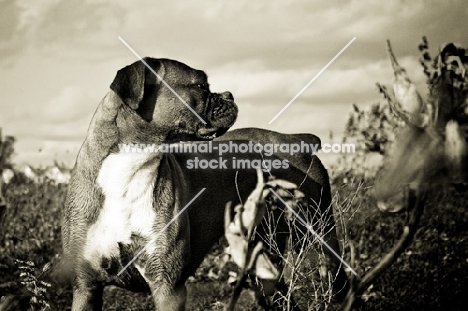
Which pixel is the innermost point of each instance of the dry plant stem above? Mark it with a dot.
(416, 202)
(237, 291)
(413, 119)
(250, 258)
(3, 204)
(1, 186)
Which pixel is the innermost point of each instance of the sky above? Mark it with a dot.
(58, 58)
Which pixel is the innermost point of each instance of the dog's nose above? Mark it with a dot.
(227, 96)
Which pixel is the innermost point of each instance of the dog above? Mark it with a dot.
(123, 204)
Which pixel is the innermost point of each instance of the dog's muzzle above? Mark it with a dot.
(221, 113)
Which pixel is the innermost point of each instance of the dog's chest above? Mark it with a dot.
(127, 182)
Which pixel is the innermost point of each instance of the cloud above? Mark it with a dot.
(72, 103)
(52, 26)
(62, 55)
(64, 117)
(9, 21)
(38, 152)
(333, 85)
(38, 129)
(302, 116)
(212, 33)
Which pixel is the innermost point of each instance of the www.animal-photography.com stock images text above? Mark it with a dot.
(233, 155)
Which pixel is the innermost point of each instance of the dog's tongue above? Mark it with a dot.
(207, 131)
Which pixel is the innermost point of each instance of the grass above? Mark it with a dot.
(431, 275)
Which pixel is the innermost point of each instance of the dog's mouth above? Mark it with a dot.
(220, 115)
(202, 133)
(210, 133)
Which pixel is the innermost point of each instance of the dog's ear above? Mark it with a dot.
(138, 86)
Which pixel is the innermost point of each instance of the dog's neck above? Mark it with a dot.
(104, 129)
(133, 129)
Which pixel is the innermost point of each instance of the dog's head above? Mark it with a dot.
(175, 99)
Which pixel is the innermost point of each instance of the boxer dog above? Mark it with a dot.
(119, 202)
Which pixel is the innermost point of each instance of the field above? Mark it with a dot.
(432, 274)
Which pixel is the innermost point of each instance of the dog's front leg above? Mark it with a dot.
(87, 296)
(166, 284)
(164, 264)
(167, 297)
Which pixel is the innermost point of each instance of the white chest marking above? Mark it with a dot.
(127, 181)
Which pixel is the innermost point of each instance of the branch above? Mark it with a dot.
(416, 201)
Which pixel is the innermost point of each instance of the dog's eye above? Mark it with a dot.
(203, 86)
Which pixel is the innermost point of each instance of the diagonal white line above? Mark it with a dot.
(162, 80)
(313, 79)
(161, 231)
(309, 227)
